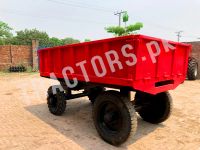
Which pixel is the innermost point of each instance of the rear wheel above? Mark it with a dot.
(114, 117)
(153, 108)
(56, 102)
(192, 69)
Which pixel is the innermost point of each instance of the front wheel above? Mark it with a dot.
(154, 108)
(56, 102)
(114, 117)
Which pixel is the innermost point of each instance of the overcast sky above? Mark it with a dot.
(87, 18)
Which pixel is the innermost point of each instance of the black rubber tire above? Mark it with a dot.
(154, 108)
(56, 102)
(127, 117)
(94, 92)
(192, 72)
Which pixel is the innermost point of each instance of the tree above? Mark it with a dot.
(125, 17)
(54, 42)
(5, 33)
(87, 40)
(58, 42)
(69, 40)
(25, 37)
(120, 31)
(116, 30)
(134, 27)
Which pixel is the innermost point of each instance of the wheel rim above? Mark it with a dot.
(110, 118)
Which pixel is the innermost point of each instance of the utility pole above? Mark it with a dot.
(179, 35)
(119, 14)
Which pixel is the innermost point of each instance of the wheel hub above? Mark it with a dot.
(108, 117)
(111, 118)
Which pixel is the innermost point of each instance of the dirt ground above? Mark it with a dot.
(25, 122)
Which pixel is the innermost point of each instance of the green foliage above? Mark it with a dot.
(25, 37)
(87, 40)
(5, 33)
(134, 27)
(125, 17)
(54, 42)
(67, 41)
(120, 31)
(29, 69)
(58, 42)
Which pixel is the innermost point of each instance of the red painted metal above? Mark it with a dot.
(169, 71)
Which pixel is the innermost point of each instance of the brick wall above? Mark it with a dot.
(196, 53)
(5, 58)
(13, 55)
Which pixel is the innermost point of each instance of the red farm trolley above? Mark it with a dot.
(148, 66)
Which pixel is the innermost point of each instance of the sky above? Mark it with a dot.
(83, 19)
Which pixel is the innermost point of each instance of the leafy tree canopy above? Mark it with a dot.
(134, 27)
(120, 31)
(54, 42)
(5, 33)
(125, 17)
(87, 40)
(69, 41)
(25, 37)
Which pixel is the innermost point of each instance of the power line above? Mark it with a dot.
(17, 12)
(85, 6)
(189, 36)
